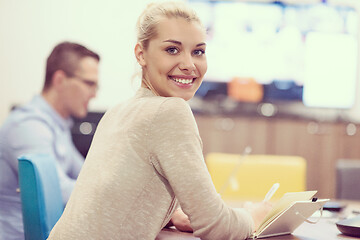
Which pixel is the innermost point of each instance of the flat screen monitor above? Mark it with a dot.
(312, 44)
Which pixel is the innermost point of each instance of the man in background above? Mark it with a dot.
(43, 126)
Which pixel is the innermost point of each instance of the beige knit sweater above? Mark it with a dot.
(146, 155)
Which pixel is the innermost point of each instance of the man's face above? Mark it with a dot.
(81, 87)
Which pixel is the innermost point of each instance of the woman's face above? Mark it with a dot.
(175, 63)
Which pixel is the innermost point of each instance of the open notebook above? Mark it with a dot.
(288, 213)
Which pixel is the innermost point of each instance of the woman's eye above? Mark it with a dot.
(199, 52)
(172, 50)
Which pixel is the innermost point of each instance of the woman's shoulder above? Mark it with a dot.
(161, 105)
(174, 106)
(154, 102)
(174, 102)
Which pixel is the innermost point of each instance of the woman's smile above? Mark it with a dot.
(183, 81)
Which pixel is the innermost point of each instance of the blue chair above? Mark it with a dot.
(40, 193)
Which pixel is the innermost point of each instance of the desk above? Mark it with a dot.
(325, 229)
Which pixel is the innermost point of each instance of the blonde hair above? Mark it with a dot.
(155, 12)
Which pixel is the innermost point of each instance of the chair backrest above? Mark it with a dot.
(348, 179)
(250, 177)
(40, 193)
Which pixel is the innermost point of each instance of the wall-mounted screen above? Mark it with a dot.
(312, 45)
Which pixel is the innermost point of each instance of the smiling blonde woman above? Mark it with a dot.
(146, 157)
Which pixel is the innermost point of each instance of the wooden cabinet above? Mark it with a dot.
(232, 135)
(317, 143)
(349, 141)
(321, 144)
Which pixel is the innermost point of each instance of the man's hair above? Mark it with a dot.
(66, 57)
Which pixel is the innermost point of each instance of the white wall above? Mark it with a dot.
(30, 29)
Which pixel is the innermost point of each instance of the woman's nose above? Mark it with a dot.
(187, 63)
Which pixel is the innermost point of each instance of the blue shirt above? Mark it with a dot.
(33, 128)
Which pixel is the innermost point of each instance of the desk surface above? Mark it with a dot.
(324, 229)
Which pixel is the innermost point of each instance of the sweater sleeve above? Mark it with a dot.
(177, 149)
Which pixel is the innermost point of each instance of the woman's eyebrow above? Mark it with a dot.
(173, 41)
(179, 43)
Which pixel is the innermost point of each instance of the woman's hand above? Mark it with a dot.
(258, 211)
(181, 221)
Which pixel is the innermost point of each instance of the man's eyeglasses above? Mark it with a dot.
(89, 83)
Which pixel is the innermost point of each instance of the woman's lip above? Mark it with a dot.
(173, 79)
(182, 76)
(183, 85)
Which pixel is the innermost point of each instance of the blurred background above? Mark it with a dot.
(283, 76)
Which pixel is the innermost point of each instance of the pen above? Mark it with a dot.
(271, 192)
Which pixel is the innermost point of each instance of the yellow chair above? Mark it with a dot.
(238, 177)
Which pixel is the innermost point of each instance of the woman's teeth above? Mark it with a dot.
(182, 80)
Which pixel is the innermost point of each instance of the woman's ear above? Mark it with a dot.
(139, 54)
